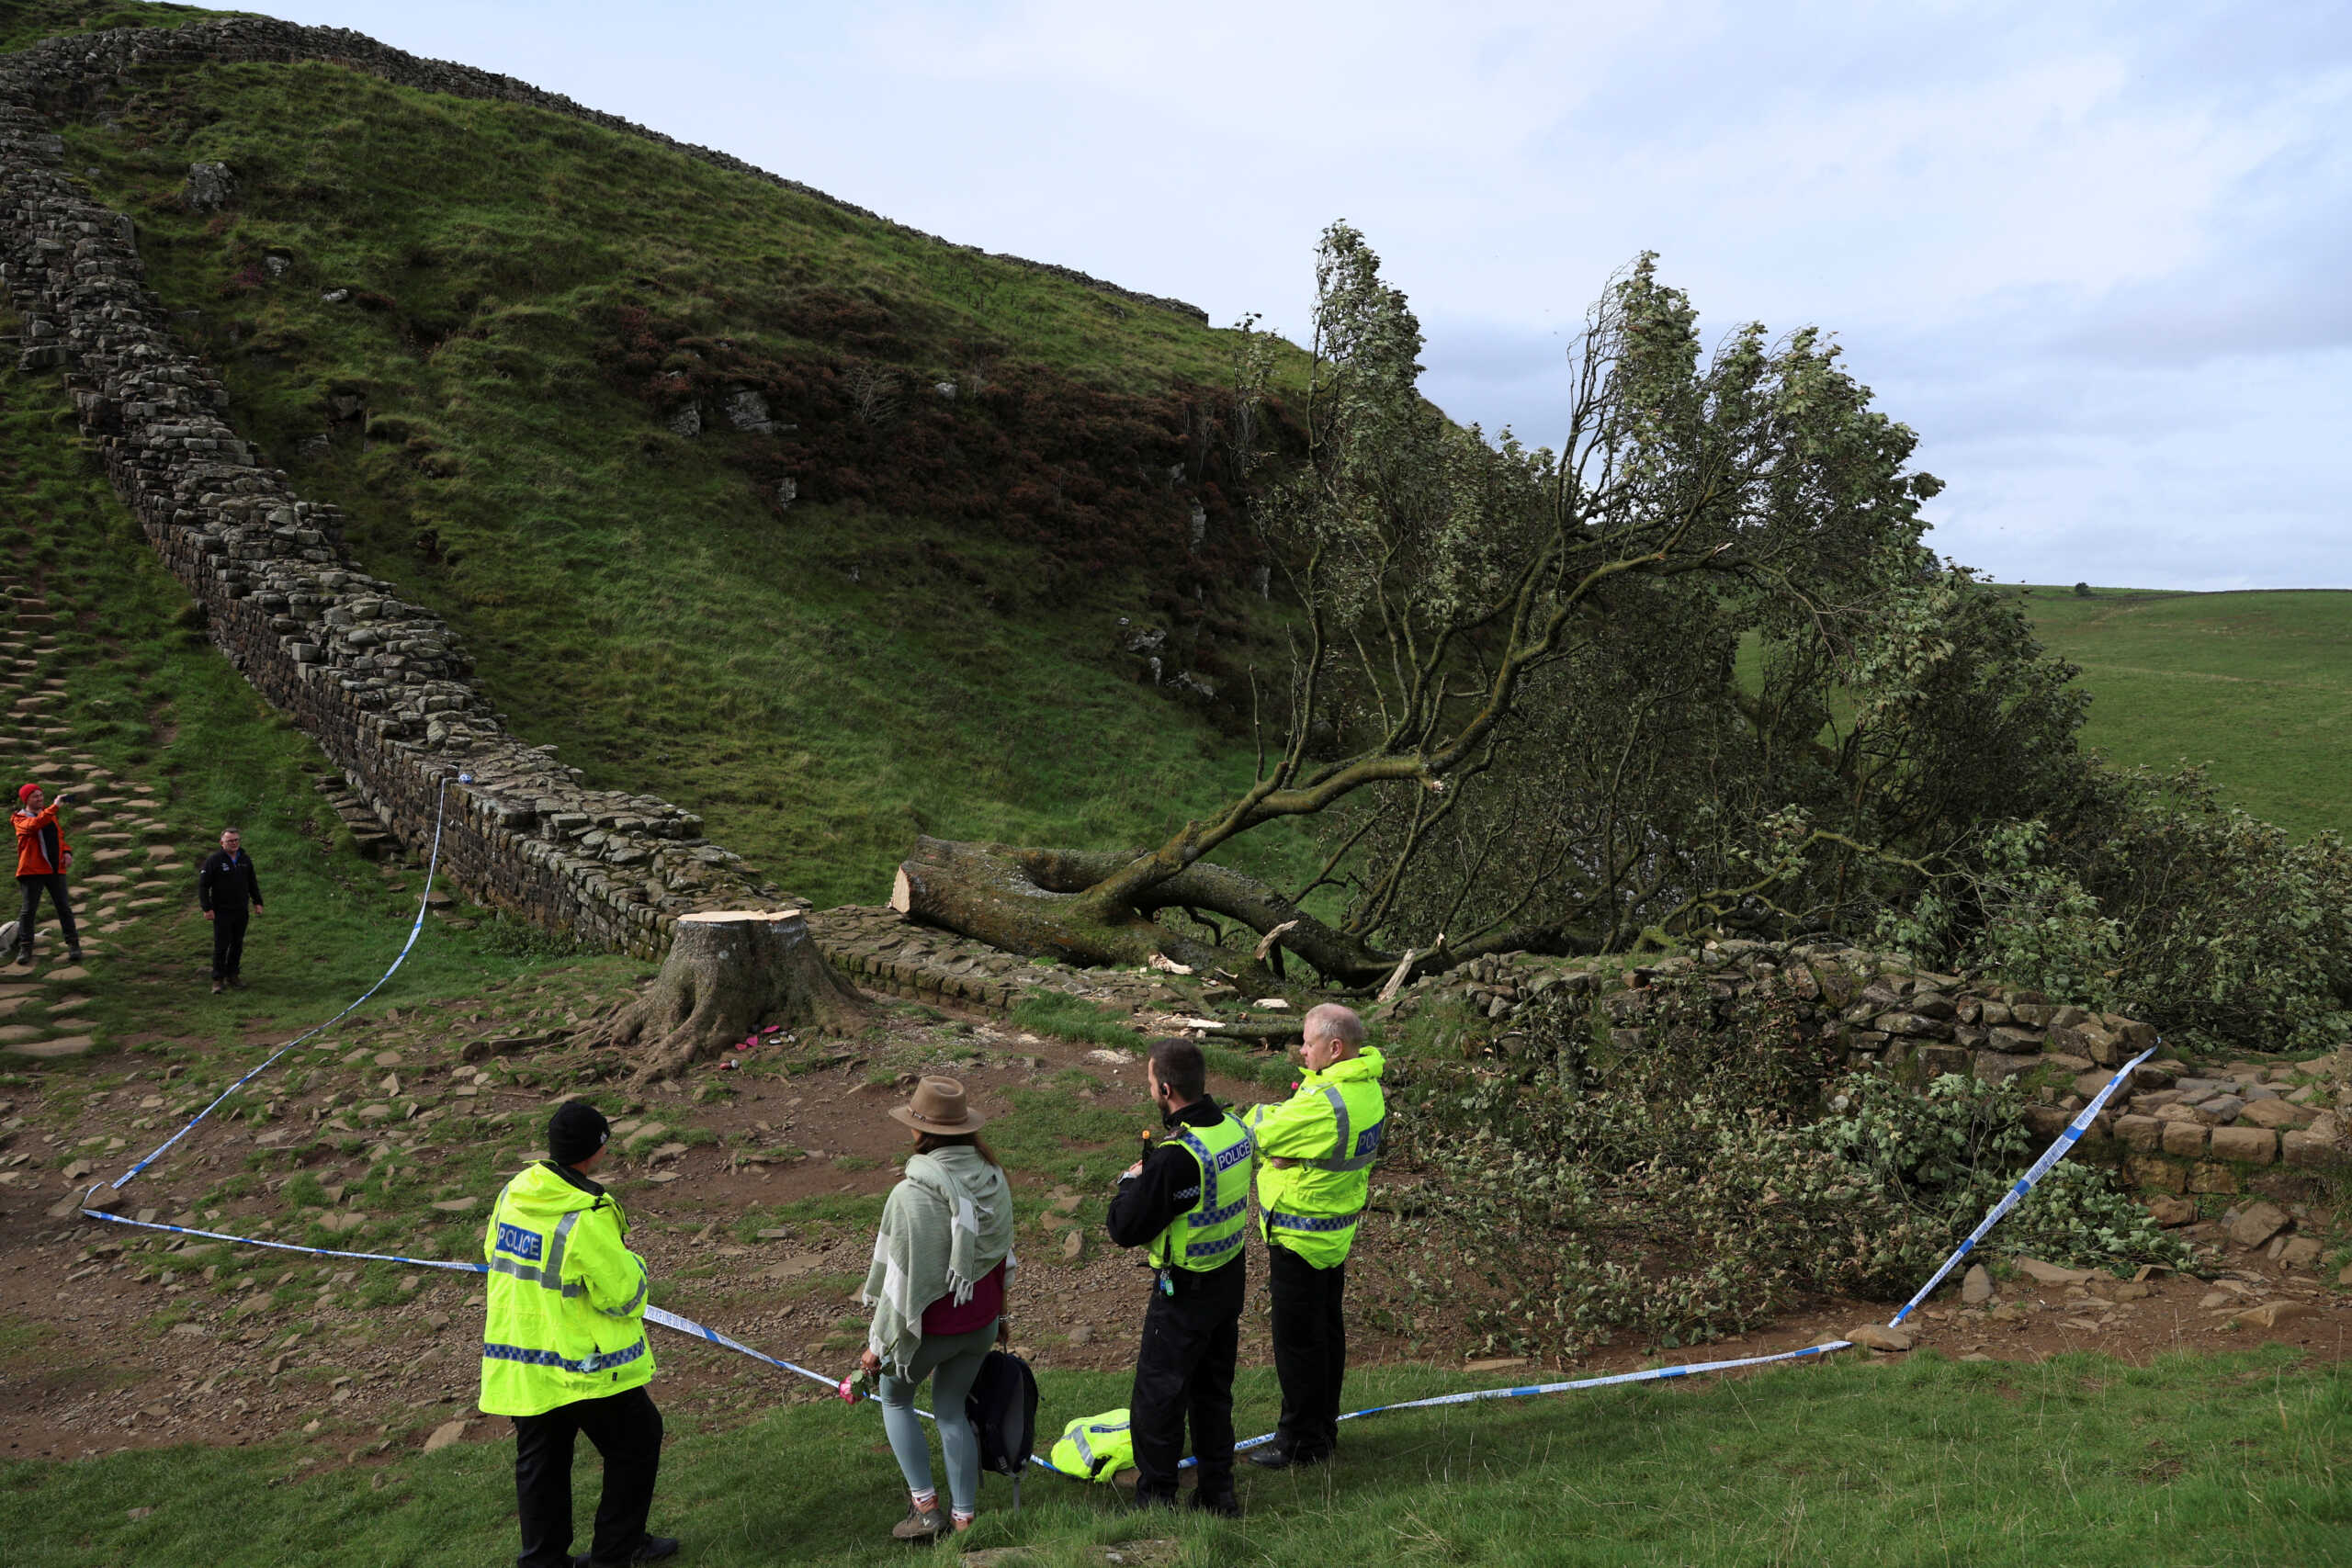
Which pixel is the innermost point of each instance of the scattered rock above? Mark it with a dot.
(2257, 1224)
(1975, 1286)
(1495, 1364)
(2051, 1274)
(2271, 1315)
(2169, 1211)
(1874, 1336)
(1073, 1246)
(444, 1435)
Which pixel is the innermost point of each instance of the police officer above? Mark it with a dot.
(564, 1349)
(1187, 1203)
(1315, 1155)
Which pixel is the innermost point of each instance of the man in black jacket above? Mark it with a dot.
(1187, 1203)
(229, 892)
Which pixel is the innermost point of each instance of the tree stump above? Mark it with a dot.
(730, 971)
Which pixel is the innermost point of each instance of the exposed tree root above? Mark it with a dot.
(730, 972)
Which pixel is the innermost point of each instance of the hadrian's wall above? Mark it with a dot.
(2181, 1124)
(381, 685)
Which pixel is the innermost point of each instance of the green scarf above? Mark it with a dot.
(943, 1228)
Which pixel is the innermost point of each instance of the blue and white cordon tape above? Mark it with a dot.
(2009, 1200)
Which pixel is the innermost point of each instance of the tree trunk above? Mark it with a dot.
(1044, 904)
(1024, 902)
(730, 972)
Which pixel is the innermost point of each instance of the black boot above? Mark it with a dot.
(1219, 1501)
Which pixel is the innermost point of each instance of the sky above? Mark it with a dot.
(2096, 255)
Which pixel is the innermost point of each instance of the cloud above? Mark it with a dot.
(2091, 251)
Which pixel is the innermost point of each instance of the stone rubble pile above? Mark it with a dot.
(381, 684)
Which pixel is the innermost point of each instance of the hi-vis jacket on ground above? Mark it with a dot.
(1328, 1131)
(1095, 1447)
(567, 1298)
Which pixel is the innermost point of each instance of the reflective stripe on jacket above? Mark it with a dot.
(1329, 1132)
(1209, 1234)
(566, 1312)
(1095, 1448)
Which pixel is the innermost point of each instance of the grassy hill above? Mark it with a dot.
(508, 342)
(2257, 686)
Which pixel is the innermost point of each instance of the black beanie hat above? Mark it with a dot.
(576, 1131)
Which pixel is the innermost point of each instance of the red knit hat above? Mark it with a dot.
(28, 791)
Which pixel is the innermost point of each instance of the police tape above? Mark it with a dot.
(2058, 1150)
(440, 803)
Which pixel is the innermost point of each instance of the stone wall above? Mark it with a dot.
(381, 685)
(2181, 1125)
(67, 70)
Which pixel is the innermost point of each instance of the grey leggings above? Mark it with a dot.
(951, 1364)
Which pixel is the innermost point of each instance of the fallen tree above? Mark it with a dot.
(1694, 669)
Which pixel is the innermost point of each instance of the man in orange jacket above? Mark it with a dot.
(42, 855)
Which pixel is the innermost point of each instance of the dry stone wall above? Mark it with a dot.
(2180, 1126)
(381, 684)
(68, 70)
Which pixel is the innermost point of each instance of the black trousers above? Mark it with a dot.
(229, 925)
(1185, 1375)
(627, 1429)
(1310, 1351)
(31, 887)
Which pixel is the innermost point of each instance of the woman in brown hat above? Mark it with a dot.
(941, 1264)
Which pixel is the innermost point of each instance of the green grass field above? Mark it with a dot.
(2255, 685)
(2078, 1461)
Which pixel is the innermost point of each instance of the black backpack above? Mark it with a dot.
(1003, 1411)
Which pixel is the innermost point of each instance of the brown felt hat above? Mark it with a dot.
(939, 1106)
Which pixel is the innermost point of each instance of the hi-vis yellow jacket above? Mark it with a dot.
(567, 1298)
(1315, 1156)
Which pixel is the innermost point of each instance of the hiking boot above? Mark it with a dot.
(72, 955)
(1142, 1500)
(920, 1524)
(219, 987)
(236, 983)
(24, 957)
